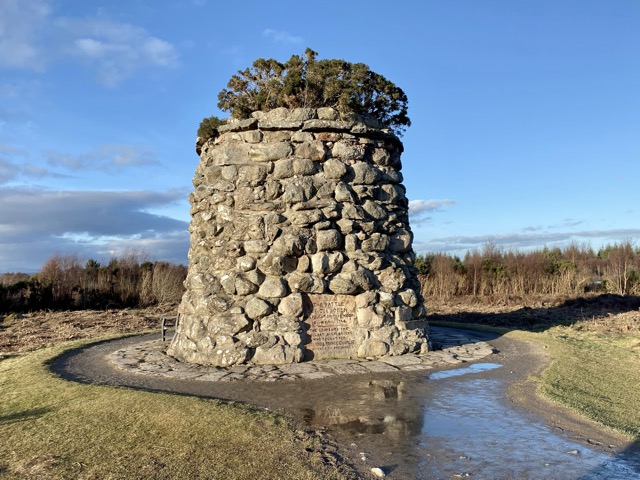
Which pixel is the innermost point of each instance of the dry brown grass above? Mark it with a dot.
(598, 313)
(31, 331)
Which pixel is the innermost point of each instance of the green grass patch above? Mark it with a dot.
(594, 374)
(51, 428)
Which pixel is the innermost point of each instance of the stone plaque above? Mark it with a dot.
(330, 322)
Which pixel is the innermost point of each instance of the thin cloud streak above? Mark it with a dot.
(282, 37)
(461, 244)
(418, 209)
(107, 158)
(418, 206)
(10, 171)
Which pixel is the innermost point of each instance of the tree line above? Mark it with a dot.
(67, 283)
(570, 271)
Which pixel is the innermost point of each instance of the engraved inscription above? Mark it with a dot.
(330, 322)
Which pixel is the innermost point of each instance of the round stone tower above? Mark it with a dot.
(300, 244)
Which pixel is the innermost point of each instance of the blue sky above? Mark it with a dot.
(526, 115)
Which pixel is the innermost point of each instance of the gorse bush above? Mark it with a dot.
(304, 81)
(208, 127)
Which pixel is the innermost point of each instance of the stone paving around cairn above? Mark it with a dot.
(149, 358)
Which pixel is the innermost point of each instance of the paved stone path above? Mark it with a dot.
(148, 358)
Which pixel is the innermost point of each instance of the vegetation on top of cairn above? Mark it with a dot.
(208, 127)
(305, 82)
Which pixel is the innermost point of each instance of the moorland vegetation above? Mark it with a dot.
(495, 274)
(65, 282)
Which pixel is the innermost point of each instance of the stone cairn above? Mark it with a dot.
(300, 244)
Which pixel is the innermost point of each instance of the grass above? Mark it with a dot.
(594, 374)
(595, 370)
(51, 428)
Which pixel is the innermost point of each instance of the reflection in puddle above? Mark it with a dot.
(372, 407)
(456, 426)
(457, 372)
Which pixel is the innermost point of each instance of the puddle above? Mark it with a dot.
(457, 372)
(452, 425)
(467, 429)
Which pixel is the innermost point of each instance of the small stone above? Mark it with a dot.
(342, 193)
(304, 166)
(392, 279)
(269, 151)
(378, 472)
(327, 113)
(252, 136)
(306, 283)
(311, 150)
(365, 299)
(365, 174)
(246, 263)
(377, 242)
(343, 284)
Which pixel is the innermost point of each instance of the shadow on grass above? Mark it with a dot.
(541, 318)
(24, 415)
(7, 356)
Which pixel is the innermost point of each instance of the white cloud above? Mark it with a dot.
(20, 33)
(281, 36)
(32, 35)
(118, 50)
(418, 209)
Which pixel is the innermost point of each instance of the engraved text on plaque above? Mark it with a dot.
(330, 321)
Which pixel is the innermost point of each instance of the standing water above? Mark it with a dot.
(457, 424)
